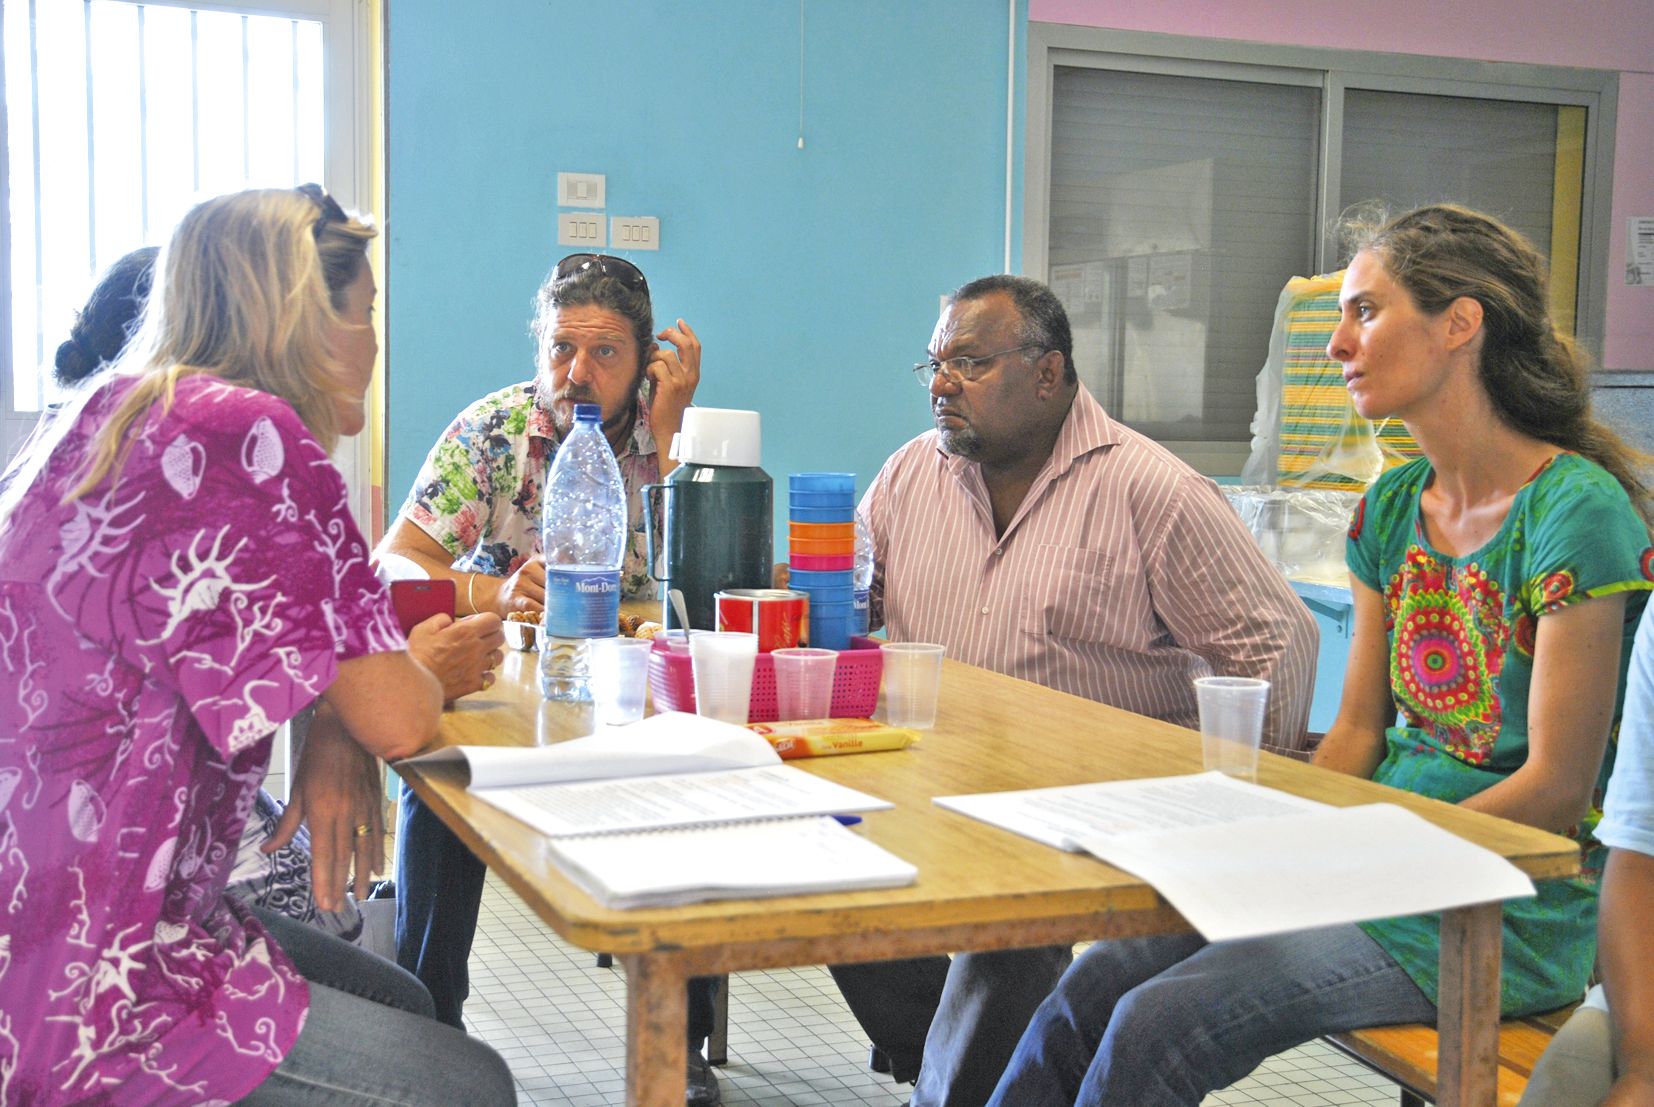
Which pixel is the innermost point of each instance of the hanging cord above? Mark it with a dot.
(801, 74)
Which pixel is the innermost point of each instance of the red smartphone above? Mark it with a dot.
(417, 600)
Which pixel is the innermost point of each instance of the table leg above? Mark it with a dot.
(1467, 1024)
(656, 1026)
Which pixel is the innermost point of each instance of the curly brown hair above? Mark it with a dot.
(1537, 378)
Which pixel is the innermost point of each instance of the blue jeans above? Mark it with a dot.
(438, 896)
(964, 1016)
(1158, 1021)
(370, 1038)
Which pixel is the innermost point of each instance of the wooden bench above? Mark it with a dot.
(1407, 1054)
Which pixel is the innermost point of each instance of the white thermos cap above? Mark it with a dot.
(717, 436)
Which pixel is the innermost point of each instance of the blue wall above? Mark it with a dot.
(811, 275)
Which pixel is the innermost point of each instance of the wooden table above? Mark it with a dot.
(979, 887)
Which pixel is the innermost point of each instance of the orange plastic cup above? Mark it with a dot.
(821, 546)
(819, 532)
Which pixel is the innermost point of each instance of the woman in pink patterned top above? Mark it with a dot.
(179, 575)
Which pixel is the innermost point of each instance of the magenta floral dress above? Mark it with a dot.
(154, 633)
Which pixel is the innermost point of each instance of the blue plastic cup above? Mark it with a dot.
(830, 631)
(820, 596)
(844, 514)
(821, 499)
(808, 580)
(823, 482)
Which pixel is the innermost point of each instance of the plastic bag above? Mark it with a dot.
(1301, 530)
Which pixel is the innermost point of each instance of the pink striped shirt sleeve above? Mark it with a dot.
(1122, 577)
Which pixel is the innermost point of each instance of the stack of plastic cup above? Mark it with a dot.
(821, 552)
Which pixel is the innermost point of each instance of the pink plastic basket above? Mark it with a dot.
(855, 681)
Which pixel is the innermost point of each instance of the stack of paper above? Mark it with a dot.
(678, 808)
(1240, 861)
(728, 861)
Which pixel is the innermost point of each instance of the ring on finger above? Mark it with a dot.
(363, 830)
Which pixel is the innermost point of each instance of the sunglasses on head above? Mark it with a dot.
(330, 210)
(619, 268)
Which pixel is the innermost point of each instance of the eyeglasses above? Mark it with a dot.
(619, 268)
(327, 205)
(960, 369)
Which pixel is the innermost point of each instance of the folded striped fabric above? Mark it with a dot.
(1323, 442)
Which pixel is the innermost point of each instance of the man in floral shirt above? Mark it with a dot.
(473, 515)
(474, 511)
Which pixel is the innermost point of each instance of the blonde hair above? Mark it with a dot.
(1537, 377)
(248, 290)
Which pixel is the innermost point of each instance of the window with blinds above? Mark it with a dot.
(1175, 201)
(1175, 185)
(1516, 160)
(119, 116)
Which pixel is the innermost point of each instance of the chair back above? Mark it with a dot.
(1307, 433)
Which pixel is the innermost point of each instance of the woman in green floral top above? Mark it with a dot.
(1498, 581)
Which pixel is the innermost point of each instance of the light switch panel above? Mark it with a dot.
(634, 232)
(580, 228)
(581, 190)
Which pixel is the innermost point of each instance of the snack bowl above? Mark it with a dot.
(521, 636)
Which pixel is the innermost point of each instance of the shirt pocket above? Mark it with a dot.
(1067, 593)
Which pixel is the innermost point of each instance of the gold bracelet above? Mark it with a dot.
(470, 587)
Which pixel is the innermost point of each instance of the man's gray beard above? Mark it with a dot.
(964, 442)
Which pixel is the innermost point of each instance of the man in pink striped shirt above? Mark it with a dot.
(1033, 535)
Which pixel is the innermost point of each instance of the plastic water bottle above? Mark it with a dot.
(860, 612)
(584, 537)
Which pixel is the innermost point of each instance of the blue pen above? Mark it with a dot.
(847, 820)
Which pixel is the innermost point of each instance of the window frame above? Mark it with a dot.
(346, 157)
(1335, 72)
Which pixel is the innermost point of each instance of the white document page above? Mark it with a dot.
(1060, 816)
(728, 861)
(1300, 871)
(690, 799)
(671, 742)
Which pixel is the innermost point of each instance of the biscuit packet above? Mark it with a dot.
(826, 737)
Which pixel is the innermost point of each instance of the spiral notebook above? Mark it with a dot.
(772, 857)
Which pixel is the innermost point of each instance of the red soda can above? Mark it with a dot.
(776, 615)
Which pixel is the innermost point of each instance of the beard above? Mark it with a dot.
(960, 441)
(562, 409)
(562, 405)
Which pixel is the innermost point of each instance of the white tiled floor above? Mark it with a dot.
(559, 1022)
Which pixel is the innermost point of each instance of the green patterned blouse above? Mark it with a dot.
(1461, 632)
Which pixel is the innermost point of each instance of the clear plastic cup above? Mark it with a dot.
(912, 679)
(677, 640)
(619, 678)
(722, 661)
(1231, 723)
(804, 682)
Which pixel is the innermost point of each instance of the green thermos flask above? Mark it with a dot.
(717, 511)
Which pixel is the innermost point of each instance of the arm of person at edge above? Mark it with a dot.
(379, 705)
(1570, 709)
(1625, 949)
